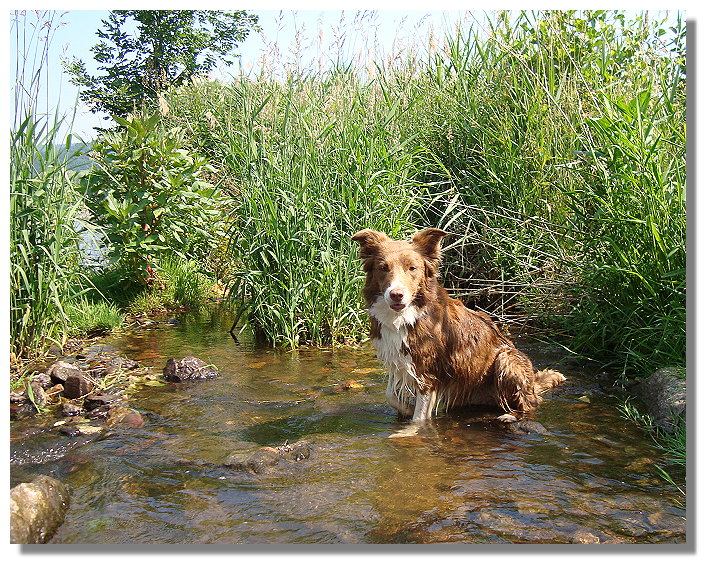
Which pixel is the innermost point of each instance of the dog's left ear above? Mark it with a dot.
(370, 242)
(427, 243)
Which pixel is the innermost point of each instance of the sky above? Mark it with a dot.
(360, 33)
(316, 31)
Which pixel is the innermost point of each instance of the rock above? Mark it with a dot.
(72, 430)
(253, 461)
(350, 384)
(296, 451)
(19, 411)
(258, 461)
(77, 386)
(118, 364)
(70, 409)
(37, 509)
(54, 392)
(664, 394)
(124, 416)
(525, 427)
(96, 400)
(59, 372)
(189, 368)
(39, 397)
(43, 379)
(27, 402)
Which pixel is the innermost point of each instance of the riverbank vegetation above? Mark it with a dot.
(550, 145)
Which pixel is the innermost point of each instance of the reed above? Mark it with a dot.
(550, 145)
(314, 161)
(44, 206)
(563, 135)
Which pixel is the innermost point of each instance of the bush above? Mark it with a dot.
(150, 196)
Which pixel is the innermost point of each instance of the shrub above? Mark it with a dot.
(149, 195)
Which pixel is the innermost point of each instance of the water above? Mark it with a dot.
(590, 478)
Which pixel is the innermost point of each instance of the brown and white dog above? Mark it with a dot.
(438, 353)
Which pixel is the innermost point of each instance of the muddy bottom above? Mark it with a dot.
(577, 473)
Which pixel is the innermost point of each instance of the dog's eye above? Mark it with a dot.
(383, 267)
(413, 268)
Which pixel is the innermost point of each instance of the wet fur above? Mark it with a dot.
(439, 354)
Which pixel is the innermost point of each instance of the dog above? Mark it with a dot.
(438, 353)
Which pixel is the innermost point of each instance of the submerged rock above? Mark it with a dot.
(99, 399)
(124, 416)
(189, 368)
(664, 394)
(259, 460)
(70, 409)
(525, 427)
(118, 364)
(37, 509)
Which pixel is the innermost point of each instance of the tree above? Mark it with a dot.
(166, 48)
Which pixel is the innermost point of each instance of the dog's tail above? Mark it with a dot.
(547, 378)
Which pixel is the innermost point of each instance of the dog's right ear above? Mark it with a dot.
(370, 242)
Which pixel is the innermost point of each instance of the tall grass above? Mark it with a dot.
(550, 145)
(314, 160)
(44, 206)
(564, 135)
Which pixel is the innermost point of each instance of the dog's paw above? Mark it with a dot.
(506, 418)
(410, 430)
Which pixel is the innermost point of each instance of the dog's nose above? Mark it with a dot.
(396, 296)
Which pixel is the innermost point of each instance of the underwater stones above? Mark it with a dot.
(256, 461)
(525, 427)
(261, 459)
(37, 509)
(69, 409)
(187, 369)
(118, 364)
(125, 417)
(99, 399)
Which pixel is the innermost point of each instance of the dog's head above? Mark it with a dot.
(398, 270)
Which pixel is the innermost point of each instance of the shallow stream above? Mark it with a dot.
(586, 476)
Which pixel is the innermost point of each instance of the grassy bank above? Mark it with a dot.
(551, 146)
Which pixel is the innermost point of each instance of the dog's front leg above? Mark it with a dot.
(424, 405)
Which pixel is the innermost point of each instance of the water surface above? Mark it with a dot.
(591, 478)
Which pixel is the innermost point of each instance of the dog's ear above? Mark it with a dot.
(427, 243)
(370, 241)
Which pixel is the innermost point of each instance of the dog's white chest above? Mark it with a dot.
(392, 351)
